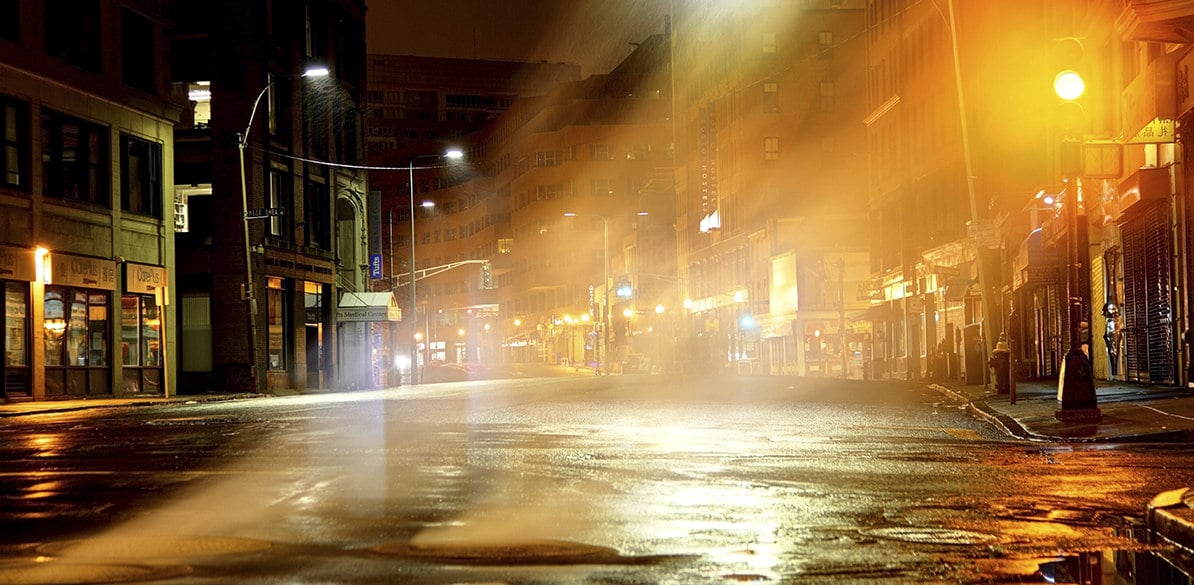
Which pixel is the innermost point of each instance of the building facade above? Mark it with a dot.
(419, 108)
(976, 164)
(86, 239)
(290, 219)
(770, 184)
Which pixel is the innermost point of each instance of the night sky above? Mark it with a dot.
(595, 34)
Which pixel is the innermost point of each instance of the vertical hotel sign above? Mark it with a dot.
(707, 144)
(17, 264)
(83, 272)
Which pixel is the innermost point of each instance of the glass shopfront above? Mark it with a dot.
(16, 340)
(142, 339)
(76, 324)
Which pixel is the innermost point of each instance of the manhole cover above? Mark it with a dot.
(151, 547)
(931, 535)
(60, 573)
(515, 552)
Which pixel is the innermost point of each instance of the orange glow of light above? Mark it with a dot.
(43, 265)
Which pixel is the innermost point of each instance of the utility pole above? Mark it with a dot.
(841, 307)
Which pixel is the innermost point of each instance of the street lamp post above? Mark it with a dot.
(242, 141)
(1075, 388)
(414, 343)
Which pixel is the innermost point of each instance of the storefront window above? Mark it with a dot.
(15, 311)
(97, 329)
(76, 325)
(76, 330)
(55, 325)
(141, 327)
(130, 340)
(151, 337)
(276, 315)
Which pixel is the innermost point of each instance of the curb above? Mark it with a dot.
(1012, 427)
(49, 407)
(1171, 520)
(1005, 423)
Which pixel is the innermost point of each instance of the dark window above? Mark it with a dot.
(136, 50)
(14, 149)
(279, 198)
(140, 176)
(74, 156)
(318, 208)
(10, 20)
(73, 32)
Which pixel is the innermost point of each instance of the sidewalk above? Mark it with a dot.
(1131, 413)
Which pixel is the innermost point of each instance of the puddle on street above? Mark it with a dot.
(1150, 564)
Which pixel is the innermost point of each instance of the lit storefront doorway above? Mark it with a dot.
(18, 266)
(142, 338)
(76, 323)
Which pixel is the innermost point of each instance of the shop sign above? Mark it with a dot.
(17, 264)
(1150, 102)
(144, 279)
(383, 313)
(1157, 131)
(83, 272)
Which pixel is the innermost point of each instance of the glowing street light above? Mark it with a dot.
(453, 154)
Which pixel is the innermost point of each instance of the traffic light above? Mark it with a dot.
(1070, 78)
(486, 277)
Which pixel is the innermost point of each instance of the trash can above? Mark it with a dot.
(1000, 362)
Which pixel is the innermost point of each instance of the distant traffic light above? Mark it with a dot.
(486, 277)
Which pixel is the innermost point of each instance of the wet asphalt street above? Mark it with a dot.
(611, 480)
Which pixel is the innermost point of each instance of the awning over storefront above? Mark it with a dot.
(1145, 184)
(368, 306)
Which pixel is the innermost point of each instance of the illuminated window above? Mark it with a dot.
(16, 324)
(277, 318)
(199, 94)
